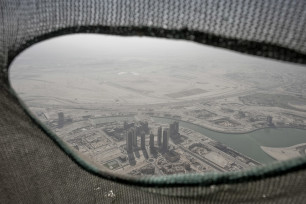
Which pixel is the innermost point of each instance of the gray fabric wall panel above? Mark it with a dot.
(34, 169)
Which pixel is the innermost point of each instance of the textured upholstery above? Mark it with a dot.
(35, 169)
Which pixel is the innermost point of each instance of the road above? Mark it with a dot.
(206, 161)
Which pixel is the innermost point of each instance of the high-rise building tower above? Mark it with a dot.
(171, 130)
(143, 140)
(269, 120)
(129, 141)
(165, 140)
(60, 120)
(159, 136)
(137, 130)
(151, 140)
(146, 126)
(174, 129)
(134, 131)
(125, 125)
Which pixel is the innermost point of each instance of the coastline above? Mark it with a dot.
(283, 153)
(226, 132)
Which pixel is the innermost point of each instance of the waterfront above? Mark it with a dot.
(217, 102)
(249, 143)
(245, 143)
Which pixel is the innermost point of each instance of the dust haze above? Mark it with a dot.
(148, 106)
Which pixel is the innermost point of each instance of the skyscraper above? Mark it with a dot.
(125, 125)
(146, 126)
(159, 136)
(134, 131)
(129, 141)
(137, 130)
(143, 140)
(165, 140)
(174, 129)
(151, 140)
(171, 130)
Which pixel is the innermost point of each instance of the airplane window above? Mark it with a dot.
(145, 106)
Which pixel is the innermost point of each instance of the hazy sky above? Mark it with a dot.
(98, 47)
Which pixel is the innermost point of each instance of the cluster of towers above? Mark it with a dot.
(163, 135)
(132, 132)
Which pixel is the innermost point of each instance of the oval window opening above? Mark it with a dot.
(145, 106)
